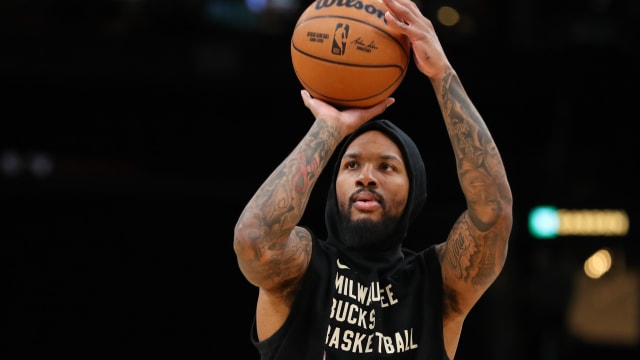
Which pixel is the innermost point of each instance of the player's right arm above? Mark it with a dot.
(272, 251)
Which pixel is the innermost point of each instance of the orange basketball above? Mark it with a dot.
(345, 53)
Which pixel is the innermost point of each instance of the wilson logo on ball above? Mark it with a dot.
(357, 5)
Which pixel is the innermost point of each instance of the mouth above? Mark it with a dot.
(366, 200)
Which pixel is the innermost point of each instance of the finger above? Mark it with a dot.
(306, 97)
(397, 10)
(389, 101)
(394, 22)
(380, 107)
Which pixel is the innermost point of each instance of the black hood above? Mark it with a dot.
(415, 202)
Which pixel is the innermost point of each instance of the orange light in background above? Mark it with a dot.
(448, 16)
(604, 307)
(593, 222)
(598, 264)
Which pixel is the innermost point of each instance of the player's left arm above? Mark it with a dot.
(475, 251)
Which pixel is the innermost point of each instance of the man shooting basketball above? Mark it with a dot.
(359, 294)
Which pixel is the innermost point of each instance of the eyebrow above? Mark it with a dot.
(353, 155)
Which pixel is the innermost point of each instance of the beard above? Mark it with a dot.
(365, 233)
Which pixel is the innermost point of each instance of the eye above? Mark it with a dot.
(351, 165)
(387, 167)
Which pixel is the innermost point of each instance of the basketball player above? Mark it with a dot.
(359, 294)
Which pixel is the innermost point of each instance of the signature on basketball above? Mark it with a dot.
(362, 46)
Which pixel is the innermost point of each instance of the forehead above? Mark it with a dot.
(373, 141)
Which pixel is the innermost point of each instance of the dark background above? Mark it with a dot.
(133, 133)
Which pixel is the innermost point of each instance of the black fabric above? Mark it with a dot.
(302, 335)
(407, 325)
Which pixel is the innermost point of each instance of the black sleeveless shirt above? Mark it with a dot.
(342, 313)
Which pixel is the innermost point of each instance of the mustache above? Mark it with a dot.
(372, 193)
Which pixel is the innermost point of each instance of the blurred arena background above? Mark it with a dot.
(134, 131)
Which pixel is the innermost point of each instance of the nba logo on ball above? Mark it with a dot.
(340, 39)
(345, 53)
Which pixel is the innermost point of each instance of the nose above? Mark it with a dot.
(366, 178)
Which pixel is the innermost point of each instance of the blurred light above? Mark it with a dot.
(605, 309)
(11, 163)
(40, 165)
(256, 5)
(544, 222)
(275, 5)
(593, 222)
(598, 264)
(548, 222)
(232, 14)
(448, 16)
(254, 15)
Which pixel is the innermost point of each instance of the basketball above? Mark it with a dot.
(345, 53)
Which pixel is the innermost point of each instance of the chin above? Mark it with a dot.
(357, 215)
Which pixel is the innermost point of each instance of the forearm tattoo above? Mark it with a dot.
(476, 243)
(472, 261)
(280, 202)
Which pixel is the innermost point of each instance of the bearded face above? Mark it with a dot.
(372, 190)
(366, 233)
